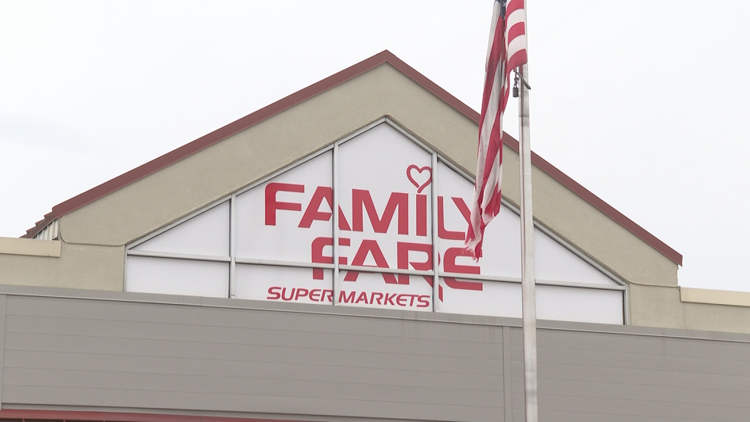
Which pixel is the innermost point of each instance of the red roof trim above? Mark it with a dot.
(205, 141)
(598, 203)
(21, 414)
(304, 94)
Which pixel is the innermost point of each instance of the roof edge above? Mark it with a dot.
(207, 140)
(311, 91)
(598, 203)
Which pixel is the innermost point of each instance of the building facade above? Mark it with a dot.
(305, 263)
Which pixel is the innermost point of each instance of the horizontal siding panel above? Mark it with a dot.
(268, 354)
(634, 410)
(625, 377)
(241, 403)
(691, 396)
(187, 335)
(595, 376)
(142, 355)
(194, 315)
(592, 415)
(103, 353)
(644, 361)
(284, 384)
(667, 378)
(166, 366)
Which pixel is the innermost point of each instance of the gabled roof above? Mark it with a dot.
(304, 94)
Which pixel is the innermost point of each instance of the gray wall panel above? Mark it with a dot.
(618, 377)
(124, 354)
(515, 350)
(3, 309)
(308, 360)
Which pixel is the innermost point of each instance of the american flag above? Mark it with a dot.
(506, 51)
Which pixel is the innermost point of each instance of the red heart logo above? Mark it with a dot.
(419, 176)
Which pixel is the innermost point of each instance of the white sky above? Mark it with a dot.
(642, 102)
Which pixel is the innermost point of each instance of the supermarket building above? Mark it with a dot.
(305, 263)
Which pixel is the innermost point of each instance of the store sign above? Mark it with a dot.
(385, 223)
(388, 234)
(384, 189)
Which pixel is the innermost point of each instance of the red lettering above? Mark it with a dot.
(312, 212)
(451, 267)
(318, 273)
(343, 224)
(444, 233)
(287, 295)
(460, 284)
(389, 299)
(316, 250)
(362, 298)
(272, 205)
(402, 255)
(317, 257)
(376, 298)
(343, 241)
(424, 301)
(273, 293)
(463, 208)
(344, 298)
(301, 293)
(315, 295)
(450, 262)
(283, 294)
(361, 201)
(421, 215)
(399, 301)
(369, 247)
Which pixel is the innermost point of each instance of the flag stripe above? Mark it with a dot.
(515, 31)
(505, 52)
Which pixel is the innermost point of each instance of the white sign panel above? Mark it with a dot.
(285, 218)
(282, 284)
(177, 276)
(204, 234)
(283, 231)
(386, 191)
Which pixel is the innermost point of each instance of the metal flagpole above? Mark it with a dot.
(527, 255)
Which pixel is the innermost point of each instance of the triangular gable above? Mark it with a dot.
(401, 217)
(342, 77)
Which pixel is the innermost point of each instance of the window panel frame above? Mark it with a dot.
(436, 159)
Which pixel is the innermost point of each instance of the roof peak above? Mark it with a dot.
(351, 72)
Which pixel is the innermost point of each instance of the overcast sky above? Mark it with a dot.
(642, 102)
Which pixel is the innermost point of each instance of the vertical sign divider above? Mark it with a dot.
(435, 265)
(335, 222)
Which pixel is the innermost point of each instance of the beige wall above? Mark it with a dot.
(94, 236)
(655, 306)
(705, 309)
(167, 195)
(15, 246)
(75, 266)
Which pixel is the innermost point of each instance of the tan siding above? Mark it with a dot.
(78, 266)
